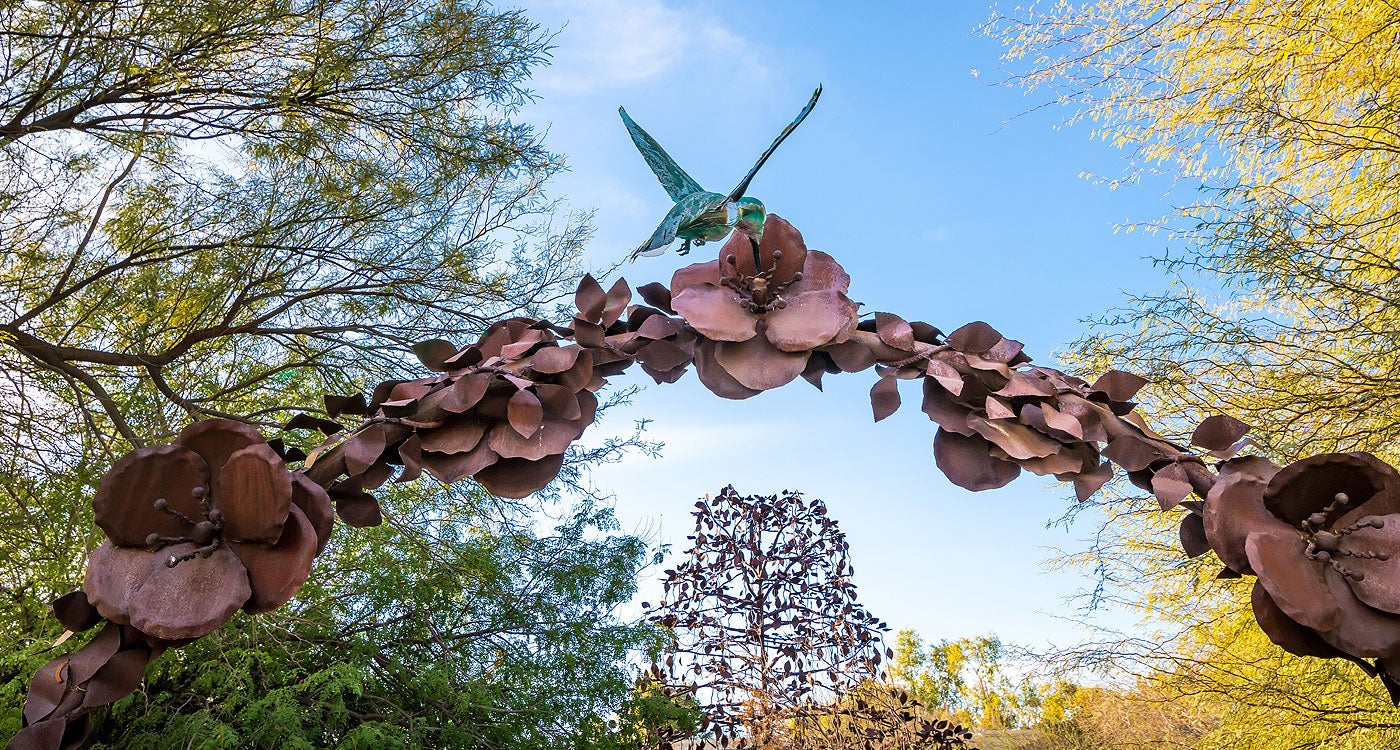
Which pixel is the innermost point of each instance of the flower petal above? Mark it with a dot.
(811, 320)
(715, 312)
(276, 574)
(1380, 585)
(1284, 631)
(716, 378)
(194, 598)
(315, 503)
(757, 364)
(821, 273)
(254, 492)
(113, 574)
(692, 276)
(1294, 582)
(782, 239)
(125, 503)
(516, 477)
(1233, 510)
(1307, 486)
(967, 462)
(217, 439)
(1363, 631)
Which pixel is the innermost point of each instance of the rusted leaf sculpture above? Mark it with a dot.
(216, 521)
(765, 614)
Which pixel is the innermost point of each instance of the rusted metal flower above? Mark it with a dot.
(200, 528)
(762, 310)
(1323, 536)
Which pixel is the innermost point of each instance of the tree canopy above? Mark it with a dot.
(216, 209)
(1280, 312)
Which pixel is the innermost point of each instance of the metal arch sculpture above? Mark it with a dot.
(220, 519)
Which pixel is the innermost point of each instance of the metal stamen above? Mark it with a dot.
(163, 505)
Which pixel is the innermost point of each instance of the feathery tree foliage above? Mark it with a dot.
(215, 208)
(1282, 312)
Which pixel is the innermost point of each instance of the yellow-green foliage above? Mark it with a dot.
(1284, 310)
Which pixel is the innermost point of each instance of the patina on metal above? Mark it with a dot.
(698, 215)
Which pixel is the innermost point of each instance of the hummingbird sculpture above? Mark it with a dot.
(700, 216)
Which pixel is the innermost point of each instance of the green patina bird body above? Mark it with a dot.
(700, 216)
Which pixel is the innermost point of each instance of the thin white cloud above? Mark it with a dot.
(936, 235)
(605, 44)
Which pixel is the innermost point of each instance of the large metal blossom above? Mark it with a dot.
(200, 528)
(762, 310)
(1323, 536)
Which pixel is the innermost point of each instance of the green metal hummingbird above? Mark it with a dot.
(700, 216)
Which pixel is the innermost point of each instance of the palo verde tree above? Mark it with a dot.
(764, 613)
(1283, 306)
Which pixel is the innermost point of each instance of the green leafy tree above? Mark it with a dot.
(229, 209)
(967, 679)
(654, 716)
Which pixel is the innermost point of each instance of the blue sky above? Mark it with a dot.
(921, 176)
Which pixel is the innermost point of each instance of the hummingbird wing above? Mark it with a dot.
(663, 236)
(738, 191)
(677, 183)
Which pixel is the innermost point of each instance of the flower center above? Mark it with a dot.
(1325, 545)
(204, 533)
(758, 293)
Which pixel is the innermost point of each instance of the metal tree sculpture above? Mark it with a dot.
(765, 613)
(1322, 535)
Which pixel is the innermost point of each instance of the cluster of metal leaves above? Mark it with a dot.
(504, 410)
(1322, 535)
(197, 529)
(764, 612)
(65, 690)
(875, 716)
